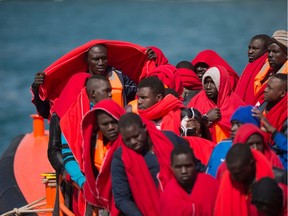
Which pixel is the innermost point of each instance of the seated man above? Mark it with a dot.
(100, 140)
(190, 193)
(136, 186)
(245, 167)
(241, 116)
(275, 103)
(165, 112)
(217, 102)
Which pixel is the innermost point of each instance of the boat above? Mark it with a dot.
(28, 181)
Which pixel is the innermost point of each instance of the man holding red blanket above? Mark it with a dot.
(190, 193)
(140, 168)
(103, 57)
(165, 112)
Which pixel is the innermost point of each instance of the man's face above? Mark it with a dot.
(183, 168)
(255, 49)
(135, 137)
(97, 60)
(234, 128)
(274, 90)
(239, 172)
(210, 88)
(276, 56)
(255, 141)
(99, 91)
(107, 125)
(146, 98)
(200, 69)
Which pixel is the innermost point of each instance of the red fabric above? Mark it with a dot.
(130, 58)
(245, 86)
(169, 109)
(227, 102)
(161, 58)
(202, 148)
(277, 116)
(69, 93)
(143, 188)
(231, 198)
(177, 202)
(243, 134)
(169, 76)
(189, 78)
(98, 189)
(211, 58)
(70, 125)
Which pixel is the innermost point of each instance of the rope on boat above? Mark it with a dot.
(29, 208)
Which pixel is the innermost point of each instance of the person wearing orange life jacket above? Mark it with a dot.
(276, 63)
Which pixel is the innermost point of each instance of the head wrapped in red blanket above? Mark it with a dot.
(98, 189)
(211, 58)
(170, 77)
(227, 100)
(161, 58)
(243, 134)
(189, 79)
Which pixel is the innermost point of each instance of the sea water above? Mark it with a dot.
(33, 34)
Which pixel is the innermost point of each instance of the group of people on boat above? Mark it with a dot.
(132, 134)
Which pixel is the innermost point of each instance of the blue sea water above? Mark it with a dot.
(33, 34)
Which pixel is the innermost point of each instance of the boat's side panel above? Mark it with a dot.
(10, 195)
(30, 161)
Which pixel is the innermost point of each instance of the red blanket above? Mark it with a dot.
(98, 189)
(202, 148)
(130, 58)
(169, 76)
(144, 191)
(231, 199)
(243, 134)
(190, 79)
(245, 86)
(211, 58)
(70, 125)
(169, 110)
(176, 202)
(227, 102)
(277, 116)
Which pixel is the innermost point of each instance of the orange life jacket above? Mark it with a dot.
(117, 88)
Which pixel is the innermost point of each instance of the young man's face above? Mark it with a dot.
(135, 137)
(274, 90)
(147, 98)
(210, 88)
(276, 56)
(107, 125)
(183, 167)
(255, 49)
(97, 60)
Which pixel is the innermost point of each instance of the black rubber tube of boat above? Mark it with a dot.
(10, 195)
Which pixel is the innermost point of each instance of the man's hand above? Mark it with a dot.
(39, 79)
(214, 114)
(267, 127)
(151, 54)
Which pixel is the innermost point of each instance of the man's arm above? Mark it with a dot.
(120, 187)
(42, 107)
